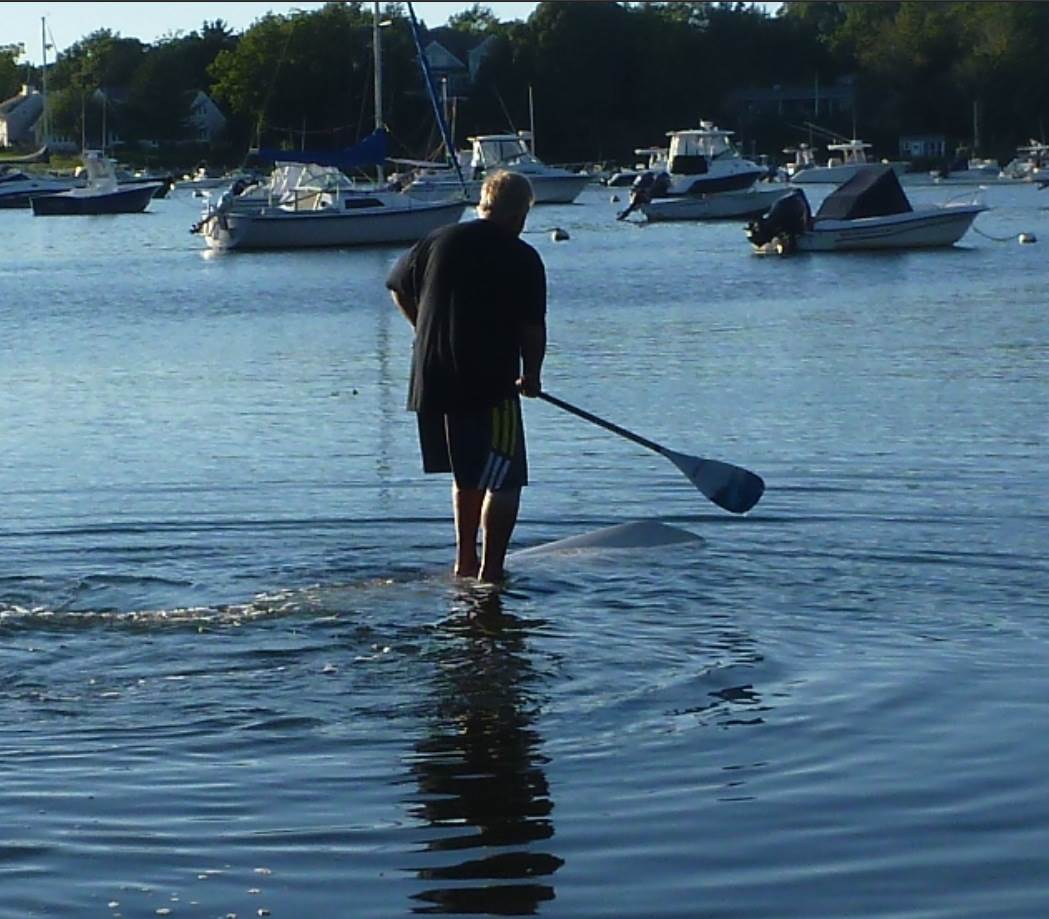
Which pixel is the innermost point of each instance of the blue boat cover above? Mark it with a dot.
(874, 191)
(369, 152)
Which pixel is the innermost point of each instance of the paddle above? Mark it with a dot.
(731, 487)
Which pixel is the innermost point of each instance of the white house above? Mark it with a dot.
(205, 118)
(923, 146)
(18, 117)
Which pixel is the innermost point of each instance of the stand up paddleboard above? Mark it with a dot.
(642, 534)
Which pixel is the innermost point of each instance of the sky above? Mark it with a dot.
(69, 22)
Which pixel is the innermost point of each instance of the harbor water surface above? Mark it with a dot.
(237, 678)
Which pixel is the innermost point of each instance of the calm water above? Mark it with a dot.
(235, 676)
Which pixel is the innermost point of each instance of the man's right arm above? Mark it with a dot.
(533, 350)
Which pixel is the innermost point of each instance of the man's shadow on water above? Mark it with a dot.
(482, 792)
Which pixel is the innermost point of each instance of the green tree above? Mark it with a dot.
(165, 83)
(478, 19)
(100, 61)
(10, 72)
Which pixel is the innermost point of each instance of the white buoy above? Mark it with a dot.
(1026, 238)
(558, 235)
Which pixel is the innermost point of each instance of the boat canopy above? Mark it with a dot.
(706, 140)
(874, 191)
(852, 151)
(369, 152)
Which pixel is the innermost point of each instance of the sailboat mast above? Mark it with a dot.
(531, 118)
(432, 93)
(377, 46)
(43, 75)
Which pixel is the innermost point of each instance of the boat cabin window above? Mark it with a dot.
(689, 165)
(354, 203)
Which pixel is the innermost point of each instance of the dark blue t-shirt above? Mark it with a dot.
(474, 283)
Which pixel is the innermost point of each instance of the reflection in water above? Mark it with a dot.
(479, 770)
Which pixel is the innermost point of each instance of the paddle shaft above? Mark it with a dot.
(600, 422)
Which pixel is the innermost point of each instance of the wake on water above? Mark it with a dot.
(319, 600)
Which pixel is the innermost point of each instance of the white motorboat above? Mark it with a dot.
(491, 152)
(721, 206)
(853, 157)
(18, 187)
(703, 161)
(1031, 163)
(869, 211)
(200, 180)
(101, 195)
(313, 204)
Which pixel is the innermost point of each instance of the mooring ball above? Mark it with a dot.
(1025, 238)
(558, 235)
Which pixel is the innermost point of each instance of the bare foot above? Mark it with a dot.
(486, 576)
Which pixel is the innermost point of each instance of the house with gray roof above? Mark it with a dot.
(456, 57)
(19, 116)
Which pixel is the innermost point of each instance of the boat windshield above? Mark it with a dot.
(101, 172)
(500, 151)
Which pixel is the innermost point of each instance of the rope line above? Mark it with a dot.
(997, 239)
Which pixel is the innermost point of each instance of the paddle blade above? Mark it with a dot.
(731, 487)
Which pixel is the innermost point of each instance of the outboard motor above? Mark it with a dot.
(645, 187)
(219, 210)
(783, 223)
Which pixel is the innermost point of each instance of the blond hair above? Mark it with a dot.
(505, 194)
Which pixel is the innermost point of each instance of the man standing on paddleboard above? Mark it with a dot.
(475, 293)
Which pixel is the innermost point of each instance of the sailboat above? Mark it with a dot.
(310, 203)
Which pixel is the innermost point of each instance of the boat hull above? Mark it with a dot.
(130, 200)
(920, 229)
(737, 179)
(270, 229)
(548, 189)
(835, 175)
(725, 205)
